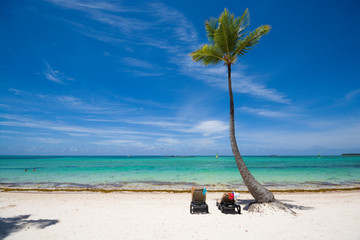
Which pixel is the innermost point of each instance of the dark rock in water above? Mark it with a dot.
(350, 154)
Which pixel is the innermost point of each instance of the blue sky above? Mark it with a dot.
(115, 78)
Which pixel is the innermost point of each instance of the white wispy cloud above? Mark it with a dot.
(122, 142)
(209, 127)
(148, 102)
(55, 75)
(141, 68)
(248, 85)
(101, 120)
(88, 5)
(76, 103)
(10, 132)
(346, 99)
(241, 82)
(144, 74)
(352, 95)
(48, 140)
(98, 105)
(18, 92)
(159, 123)
(167, 142)
(126, 25)
(136, 62)
(96, 33)
(155, 122)
(79, 134)
(4, 105)
(181, 38)
(177, 137)
(183, 29)
(73, 101)
(266, 112)
(20, 121)
(205, 127)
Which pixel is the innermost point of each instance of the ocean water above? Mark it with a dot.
(177, 173)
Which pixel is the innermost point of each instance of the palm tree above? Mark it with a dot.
(228, 41)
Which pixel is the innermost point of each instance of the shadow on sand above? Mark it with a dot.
(294, 206)
(247, 204)
(15, 224)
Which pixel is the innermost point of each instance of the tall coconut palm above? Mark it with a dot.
(229, 41)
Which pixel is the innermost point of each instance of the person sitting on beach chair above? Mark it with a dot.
(227, 202)
(198, 200)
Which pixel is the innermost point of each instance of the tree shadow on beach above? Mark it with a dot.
(295, 206)
(248, 202)
(15, 224)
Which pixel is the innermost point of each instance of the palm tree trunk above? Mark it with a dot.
(258, 191)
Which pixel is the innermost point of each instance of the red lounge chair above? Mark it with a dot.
(227, 202)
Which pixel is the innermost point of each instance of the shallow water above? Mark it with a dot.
(177, 173)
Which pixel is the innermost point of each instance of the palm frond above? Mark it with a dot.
(250, 40)
(228, 38)
(244, 21)
(208, 54)
(226, 34)
(210, 26)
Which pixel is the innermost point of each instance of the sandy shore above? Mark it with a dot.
(166, 216)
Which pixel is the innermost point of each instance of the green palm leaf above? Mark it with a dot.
(250, 41)
(244, 21)
(226, 34)
(208, 54)
(211, 26)
(228, 39)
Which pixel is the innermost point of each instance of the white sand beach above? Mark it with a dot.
(65, 215)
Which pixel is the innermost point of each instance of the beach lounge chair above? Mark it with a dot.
(198, 201)
(227, 202)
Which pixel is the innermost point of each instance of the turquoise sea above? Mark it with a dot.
(177, 173)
